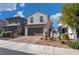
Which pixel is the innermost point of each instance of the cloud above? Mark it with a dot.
(19, 13)
(7, 6)
(55, 19)
(22, 4)
(56, 16)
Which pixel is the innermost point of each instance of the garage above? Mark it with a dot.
(35, 31)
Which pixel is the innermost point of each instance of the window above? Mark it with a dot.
(41, 18)
(17, 21)
(64, 30)
(31, 20)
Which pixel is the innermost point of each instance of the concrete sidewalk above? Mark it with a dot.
(37, 49)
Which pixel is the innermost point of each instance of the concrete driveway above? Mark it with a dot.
(26, 39)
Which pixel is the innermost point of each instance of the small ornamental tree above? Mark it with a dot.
(70, 15)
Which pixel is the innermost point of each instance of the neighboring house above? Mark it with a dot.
(3, 22)
(38, 24)
(72, 33)
(16, 25)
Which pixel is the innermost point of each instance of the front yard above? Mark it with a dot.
(36, 40)
(39, 41)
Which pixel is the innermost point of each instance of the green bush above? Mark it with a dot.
(74, 44)
(64, 36)
(64, 41)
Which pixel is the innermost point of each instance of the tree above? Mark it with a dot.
(70, 15)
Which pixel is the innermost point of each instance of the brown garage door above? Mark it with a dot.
(35, 31)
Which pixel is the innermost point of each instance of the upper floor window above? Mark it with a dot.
(41, 18)
(17, 21)
(31, 20)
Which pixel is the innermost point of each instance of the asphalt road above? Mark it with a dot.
(4, 51)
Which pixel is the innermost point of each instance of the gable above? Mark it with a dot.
(37, 14)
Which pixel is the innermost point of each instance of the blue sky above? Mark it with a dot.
(26, 9)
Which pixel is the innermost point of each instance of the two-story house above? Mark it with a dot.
(37, 24)
(16, 25)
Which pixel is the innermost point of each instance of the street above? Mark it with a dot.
(4, 51)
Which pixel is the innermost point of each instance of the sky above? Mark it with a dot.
(26, 9)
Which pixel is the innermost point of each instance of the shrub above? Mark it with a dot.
(74, 44)
(64, 36)
(64, 41)
(7, 34)
(59, 38)
(41, 38)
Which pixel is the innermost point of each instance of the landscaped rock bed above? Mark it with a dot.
(51, 43)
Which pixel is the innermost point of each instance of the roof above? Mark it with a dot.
(59, 24)
(37, 13)
(3, 20)
(17, 17)
(13, 24)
